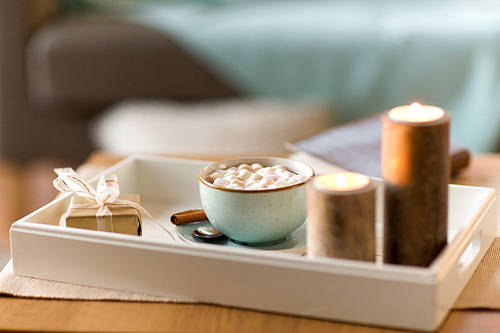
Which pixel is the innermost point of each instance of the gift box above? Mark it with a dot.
(102, 208)
(82, 213)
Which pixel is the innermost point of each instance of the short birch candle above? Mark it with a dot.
(341, 216)
(416, 168)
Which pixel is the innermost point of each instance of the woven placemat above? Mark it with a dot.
(483, 289)
(20, 286)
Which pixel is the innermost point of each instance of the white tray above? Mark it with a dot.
(161, 263)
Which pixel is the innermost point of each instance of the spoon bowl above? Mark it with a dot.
(208, 233)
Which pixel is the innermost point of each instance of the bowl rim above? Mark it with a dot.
(288, 187)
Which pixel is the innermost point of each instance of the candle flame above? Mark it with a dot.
(416, 113)
(341, 180)
(415, 107)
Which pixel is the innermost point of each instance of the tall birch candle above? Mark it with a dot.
(341, 216)
(416, 168)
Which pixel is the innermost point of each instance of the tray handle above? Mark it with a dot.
(470, 252)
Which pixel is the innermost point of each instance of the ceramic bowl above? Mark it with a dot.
(255, 216)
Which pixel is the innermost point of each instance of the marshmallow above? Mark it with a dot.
(220, 182)
(281, 183)
(244, 174)
(265, 171)
(287, 174)
(253, 186)
(230, 178)
(216, 174)
(237, 182)
(256, 166)
(270, 179)
(244, 166)
(255, 177)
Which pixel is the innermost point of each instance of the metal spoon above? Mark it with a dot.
(208, 233)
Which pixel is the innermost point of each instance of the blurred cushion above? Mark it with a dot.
(227, 127)
(84, 63)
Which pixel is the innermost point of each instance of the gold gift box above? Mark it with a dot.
(125, 220)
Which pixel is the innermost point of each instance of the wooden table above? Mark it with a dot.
(57, 315)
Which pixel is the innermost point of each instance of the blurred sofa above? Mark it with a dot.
(58, 72)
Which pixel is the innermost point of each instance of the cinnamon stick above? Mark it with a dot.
(188, 216)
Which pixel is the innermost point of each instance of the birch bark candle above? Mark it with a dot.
(416, 168)
(341, 216)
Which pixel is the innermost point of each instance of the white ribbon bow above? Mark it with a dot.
(105, 195)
